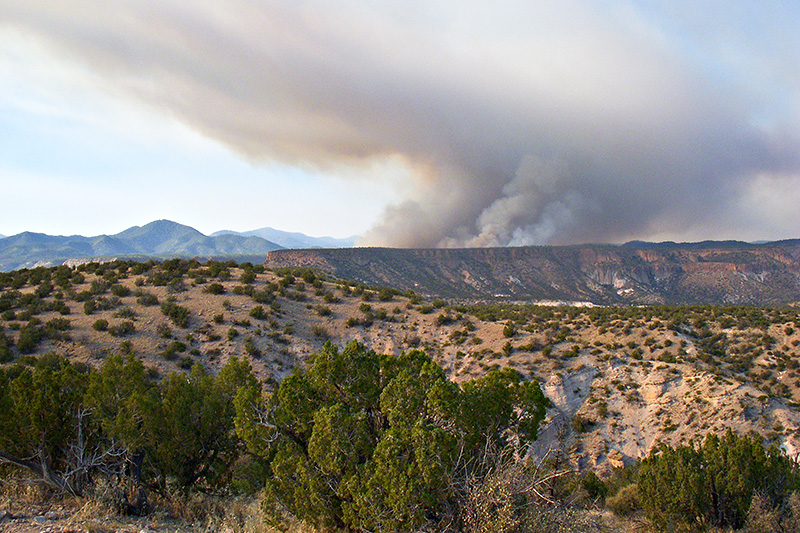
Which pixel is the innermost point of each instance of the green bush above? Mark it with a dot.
(37, 408)
(360, 441)
(714, 482)
(123, 329)
(147, 299)
(30, 335)
(179, 315)
(6, 356)
(250, 347)
(89, 307)
(120, 291)
(130, 429)
(215, 288)
(626, 501)
(594, 486)
(247, 277)
(258, 313)
(171, 351)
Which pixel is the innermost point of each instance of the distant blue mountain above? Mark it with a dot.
(293, 240)
(159, 238)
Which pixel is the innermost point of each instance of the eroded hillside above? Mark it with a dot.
(621, 379)
(714, 272)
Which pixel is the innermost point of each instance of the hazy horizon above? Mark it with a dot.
(410, 124)
(223, 230)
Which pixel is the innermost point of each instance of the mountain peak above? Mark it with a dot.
(158, 238)
(293, 240)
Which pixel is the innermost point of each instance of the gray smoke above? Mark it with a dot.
(527, 123)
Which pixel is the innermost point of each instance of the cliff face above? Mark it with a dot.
(603, 274)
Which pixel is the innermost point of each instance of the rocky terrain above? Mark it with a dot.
(621, 379)
(638, 273)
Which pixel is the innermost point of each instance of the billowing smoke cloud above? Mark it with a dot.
(523, 123)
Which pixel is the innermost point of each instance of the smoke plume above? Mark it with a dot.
(523, 123)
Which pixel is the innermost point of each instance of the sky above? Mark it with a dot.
(426, 124)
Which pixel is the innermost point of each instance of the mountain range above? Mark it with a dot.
(728, 272)
(293, 240)
(710, 272)
(161, 238)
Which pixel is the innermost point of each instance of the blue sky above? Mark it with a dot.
(77, 160)
(413, 123)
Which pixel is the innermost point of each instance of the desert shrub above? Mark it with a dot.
(362, 441)
(164, 331)
(386, 295)
(125, 312)
(101, 324)
(30, 335)
(264, 296)
(250, 347)
(60, 307)
(258, 313)
(99, 287)
(104, 303)
(120, 291)
(123, 329)
(118, 425)
(6, 343)
(177, 314)
(172, 349)
(37, 419)
(146, 298)
(714, 482)
(443, 319)
(581, 424)
(247, 277)
(330, 298)
(320, 331)
(55, 325)
(626, 501)
(243, 290)
(594, 486)
(198, 443)
(215, 288)
(89, 307)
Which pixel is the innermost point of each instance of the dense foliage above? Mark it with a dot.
(368, 442)
(70, 425)
(714, 483)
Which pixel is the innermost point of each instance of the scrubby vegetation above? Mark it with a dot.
(71, 426)
(177, 379)
(367, 442)
(355, 441)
